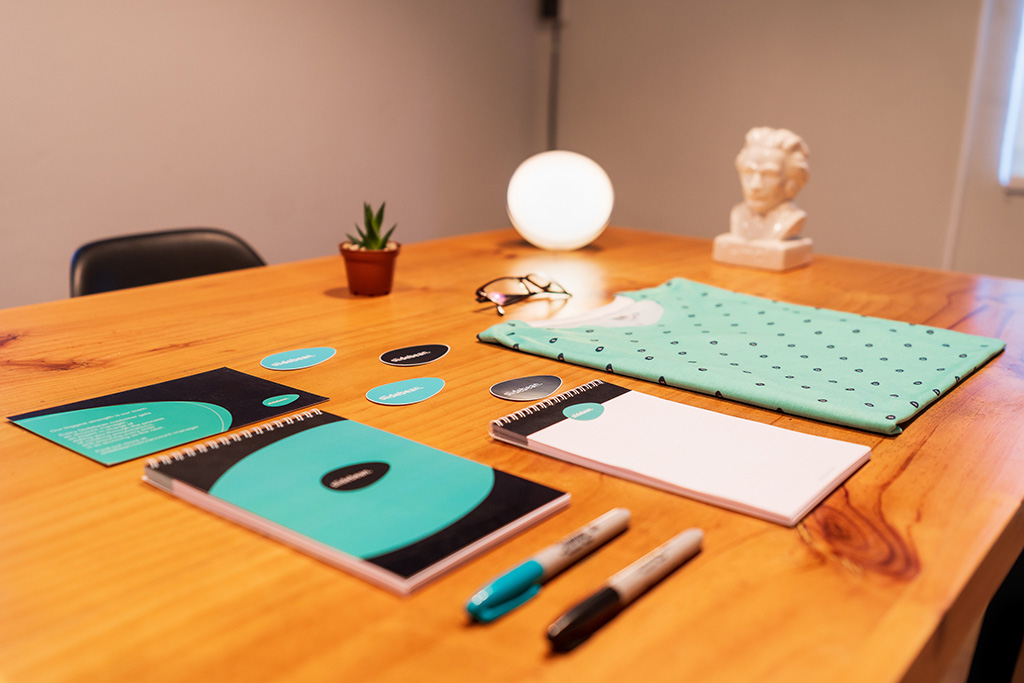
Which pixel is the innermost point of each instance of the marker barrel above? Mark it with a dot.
(584, 540)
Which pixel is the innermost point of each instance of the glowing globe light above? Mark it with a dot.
(560, 200)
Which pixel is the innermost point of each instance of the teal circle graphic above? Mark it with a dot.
(282, 400)
(425, 489)
(583, 411)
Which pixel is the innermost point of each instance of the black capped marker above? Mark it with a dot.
(580, 622)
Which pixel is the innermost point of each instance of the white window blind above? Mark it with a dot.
(1011, 156)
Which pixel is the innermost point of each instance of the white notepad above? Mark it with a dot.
(757, 469)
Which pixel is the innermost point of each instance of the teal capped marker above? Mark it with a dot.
(521, 583)
(508, 591)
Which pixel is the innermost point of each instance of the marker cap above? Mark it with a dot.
(505, 593)
(581, 621)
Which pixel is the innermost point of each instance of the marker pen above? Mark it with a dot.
(521, 583)
(585, 618)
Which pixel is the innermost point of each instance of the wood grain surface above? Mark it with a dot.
(103, 578)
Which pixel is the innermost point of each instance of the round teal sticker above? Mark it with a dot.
(282, 400)
(583, 411)
(406, 392)
(298, 359)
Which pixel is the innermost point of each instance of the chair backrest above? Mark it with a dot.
(147, 258)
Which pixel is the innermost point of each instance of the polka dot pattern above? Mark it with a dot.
(842, 368)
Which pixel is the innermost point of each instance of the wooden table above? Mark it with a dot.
(105, 578)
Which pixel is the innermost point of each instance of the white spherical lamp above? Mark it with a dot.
(560, 200)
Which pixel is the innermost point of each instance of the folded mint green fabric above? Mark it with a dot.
(841, 368)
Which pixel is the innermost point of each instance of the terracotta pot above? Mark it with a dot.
(370, 272)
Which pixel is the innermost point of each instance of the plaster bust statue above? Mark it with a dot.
(764, 230)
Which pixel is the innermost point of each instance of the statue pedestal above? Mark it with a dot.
(766, 254)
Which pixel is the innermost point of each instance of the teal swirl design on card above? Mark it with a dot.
(113, 434)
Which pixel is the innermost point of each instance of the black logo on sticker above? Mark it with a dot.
(353, 477)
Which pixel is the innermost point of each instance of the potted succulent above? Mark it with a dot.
(370, 256)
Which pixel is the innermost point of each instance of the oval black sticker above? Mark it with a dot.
(414, 355)
(353, 477)
(532, 388)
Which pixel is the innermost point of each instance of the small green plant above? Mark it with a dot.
(370, 237)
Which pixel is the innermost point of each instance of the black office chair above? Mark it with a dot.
(147, 258)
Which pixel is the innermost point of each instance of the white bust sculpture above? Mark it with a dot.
(764, 230)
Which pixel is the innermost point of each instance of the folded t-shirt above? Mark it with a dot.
(843, 368)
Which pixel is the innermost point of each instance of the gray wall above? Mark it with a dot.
(662, 93)
(277, 118)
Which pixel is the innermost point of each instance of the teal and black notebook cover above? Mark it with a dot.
(130, 424)
(392, 511)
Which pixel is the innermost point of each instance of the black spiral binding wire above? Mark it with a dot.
(537, 407)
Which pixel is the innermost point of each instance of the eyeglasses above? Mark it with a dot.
(505, 291)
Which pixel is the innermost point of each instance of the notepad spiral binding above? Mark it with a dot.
(537, 407)
(212, 444)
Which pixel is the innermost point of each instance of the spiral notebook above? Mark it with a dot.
(761, 470)
(392, 511)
